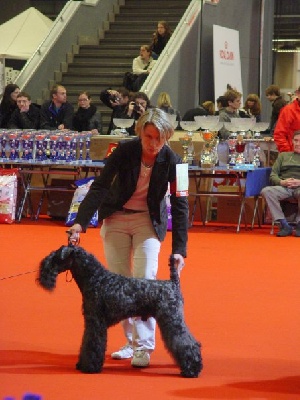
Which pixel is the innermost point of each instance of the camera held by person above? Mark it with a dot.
(114, 98)
(136, 107)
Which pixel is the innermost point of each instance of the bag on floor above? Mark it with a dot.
(83, 186)
(129, 80)
(8, 195)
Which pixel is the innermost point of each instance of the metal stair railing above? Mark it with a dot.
(164, 65)
(61, 22)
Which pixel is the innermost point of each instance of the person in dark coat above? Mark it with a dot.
(117, 100)
(87, 118)
(135, 109)
(57, 113)
(274, 96)
(193, 112)
(26, 116)
(8, 104)
(160, 38)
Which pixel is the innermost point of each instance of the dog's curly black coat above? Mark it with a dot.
(109, 298)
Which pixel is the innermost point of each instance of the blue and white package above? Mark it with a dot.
(83, 186)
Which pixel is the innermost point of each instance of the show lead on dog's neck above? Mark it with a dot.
(130, 198)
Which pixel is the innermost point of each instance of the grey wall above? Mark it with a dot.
(267, 76)
(245, 17)
(190, 78)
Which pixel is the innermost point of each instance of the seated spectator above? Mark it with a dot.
(135, 108)
(233, 99)
(221, 103)
(164, 103)
(8, 103)
(209, 106)
(252, 107)
(142, 66)
(285, 178)
(26, 116)
(274, 96)
(288, 122)
(87, 118)
(117, 100)
(160, 38)
(193, 112)
(57, 113)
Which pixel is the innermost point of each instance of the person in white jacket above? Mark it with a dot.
(142, 66)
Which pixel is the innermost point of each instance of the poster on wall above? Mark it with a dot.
(2, 75)
(227, 61)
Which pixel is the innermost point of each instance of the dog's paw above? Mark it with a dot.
(88, 369)
(190, 374)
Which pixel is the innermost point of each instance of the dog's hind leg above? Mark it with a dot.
(181, 344)
(92, 351)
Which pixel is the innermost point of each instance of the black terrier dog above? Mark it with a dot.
(109, 298)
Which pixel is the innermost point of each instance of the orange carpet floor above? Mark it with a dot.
(242, 301)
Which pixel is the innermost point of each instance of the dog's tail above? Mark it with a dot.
(174, 276)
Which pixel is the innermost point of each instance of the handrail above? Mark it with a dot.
(168, 54)
(61, 22)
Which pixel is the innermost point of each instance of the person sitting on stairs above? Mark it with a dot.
(142, 66)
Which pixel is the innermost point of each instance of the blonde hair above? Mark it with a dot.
(164, 100)
(158, 118)
(209, 107)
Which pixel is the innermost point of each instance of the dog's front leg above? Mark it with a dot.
(92, 351)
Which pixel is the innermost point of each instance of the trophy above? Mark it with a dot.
(81, 144)
(240, 148)
(260, 127)
(68, 137)
(187, 140)
(53, 146)
(41, 146)
(73, 145)
(232, 151)
(231, 128)
(190, 127)
(123, 123)
(211, 125)
(188, 150)
(256, 155)
(14, 141)
(61, 148)
(27, 145)
(244, 125)
(3, 142)
(209, 154)
(88, 146)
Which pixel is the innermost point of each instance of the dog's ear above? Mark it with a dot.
(64, 252)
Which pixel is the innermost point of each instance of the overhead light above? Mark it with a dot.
(286, 40)
(282, 50)
(286, 46)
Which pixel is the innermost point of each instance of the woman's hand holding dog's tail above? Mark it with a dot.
(179, 262)
(74, 234)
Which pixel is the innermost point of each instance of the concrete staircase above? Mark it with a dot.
(97, 67)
